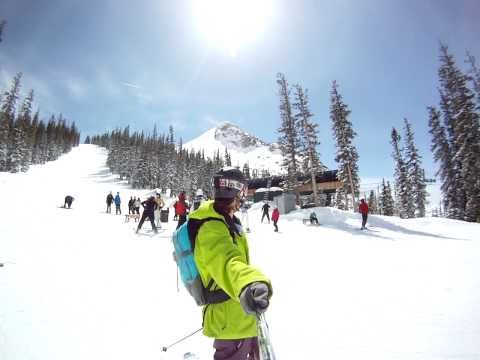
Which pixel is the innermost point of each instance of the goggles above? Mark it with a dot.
(233, 184)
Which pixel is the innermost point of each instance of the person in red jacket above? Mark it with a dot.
(181, 208)
(363, 209)
(275, 217)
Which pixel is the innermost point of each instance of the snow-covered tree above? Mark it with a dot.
(403, 187)
(288, 135)
(462, 128)
(386, 199)
(415, 171)
(346, 154)
(308, 138)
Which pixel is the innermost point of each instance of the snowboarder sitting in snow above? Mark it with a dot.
(68, 201)
(363, 209)
(313, 218)
(265, 208)
(221, 255)
(275, 217)
(149, 207)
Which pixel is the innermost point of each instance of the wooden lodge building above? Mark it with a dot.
(327, 184)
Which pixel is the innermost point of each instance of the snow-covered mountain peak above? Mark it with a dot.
(244, 148)
(233, 137)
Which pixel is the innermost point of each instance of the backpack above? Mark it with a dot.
(184, 245)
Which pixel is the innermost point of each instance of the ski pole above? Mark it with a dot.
(264, 343)
(165, 348)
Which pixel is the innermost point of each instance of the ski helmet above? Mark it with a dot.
(228, 182)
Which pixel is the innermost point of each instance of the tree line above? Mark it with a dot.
(25, 138)
(156, 161)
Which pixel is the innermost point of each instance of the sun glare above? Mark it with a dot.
(232, 24)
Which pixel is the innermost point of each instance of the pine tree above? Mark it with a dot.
(415, 172)
(288, 136)
(308, 138)
(7, 121)
(463, 135)
(440, 148)
(346, 155)
(403, 188)
(387, 199)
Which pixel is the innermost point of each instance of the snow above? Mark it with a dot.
(78, 284)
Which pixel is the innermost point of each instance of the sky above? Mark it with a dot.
(108, 64)
(79, 284)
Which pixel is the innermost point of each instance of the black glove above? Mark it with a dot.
(254, 298)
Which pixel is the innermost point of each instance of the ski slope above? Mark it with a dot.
(78, 284)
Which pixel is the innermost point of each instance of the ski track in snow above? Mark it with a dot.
(79, 284)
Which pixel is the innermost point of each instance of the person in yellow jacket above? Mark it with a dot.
(222, 257)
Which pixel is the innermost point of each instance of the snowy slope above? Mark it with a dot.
(243, 147)
(78, 284)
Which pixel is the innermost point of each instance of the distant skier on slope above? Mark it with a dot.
(275, 217)
(181, 208)
(68, 201)
(118, 201)
(149, 207)
(109, 202)
(363, 209)
(265, 208)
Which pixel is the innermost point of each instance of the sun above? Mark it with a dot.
(231, 24)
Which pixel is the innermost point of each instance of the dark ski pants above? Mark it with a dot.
(109, 208)
(181, 220)
(152, 221)
(313, 221)
(275, 224)
(364, 220)
(118, 210)
(68, 203)
(242, 349)
(267, 215)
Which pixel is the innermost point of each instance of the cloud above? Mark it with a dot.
(131, 85)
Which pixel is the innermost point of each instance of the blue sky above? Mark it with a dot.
(107, 64)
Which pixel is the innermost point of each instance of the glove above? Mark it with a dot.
(254, 298)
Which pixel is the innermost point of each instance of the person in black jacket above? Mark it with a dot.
(68, 201)
(149, 207)
(265, 208)
(109, 202)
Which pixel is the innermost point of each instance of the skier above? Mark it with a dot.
(181, 209)
(363, 209)
(149, 207)
(244, 211)
(221, 254)
(131, 203)
(68, 201)
(198, 199)
(109, 202)
(275, 217)
(265, 208)
(136, 205)
(118, 201)
(313, 218)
